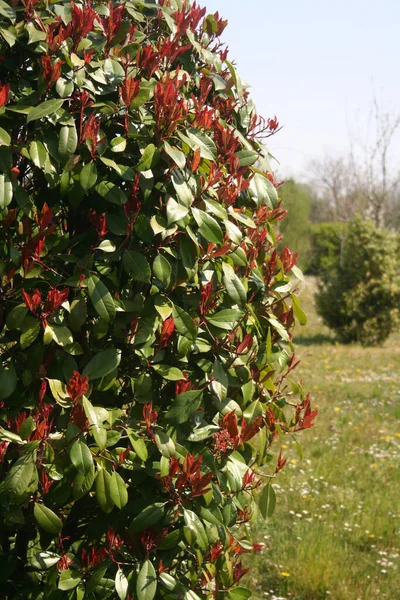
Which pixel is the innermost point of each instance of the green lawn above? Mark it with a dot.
(335, 533)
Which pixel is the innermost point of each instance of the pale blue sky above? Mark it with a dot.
(312, 63)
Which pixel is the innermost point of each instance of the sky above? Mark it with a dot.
(316, 64)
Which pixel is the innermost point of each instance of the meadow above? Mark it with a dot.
(335, 531)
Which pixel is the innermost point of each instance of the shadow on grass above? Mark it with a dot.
(315, 340)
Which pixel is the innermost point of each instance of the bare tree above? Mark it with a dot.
(376, 176)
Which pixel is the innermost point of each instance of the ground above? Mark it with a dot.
(335, 531)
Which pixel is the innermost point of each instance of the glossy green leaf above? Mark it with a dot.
(147, 159)
(102, 363)
(47, 519)
(101, 298)
(44, 109)
(103, 487)
(146, 586)
(88, 176)
(177, 155)
(20, 475)
(184, 406)
(138, 445)
(196, 527)
(121, 584)
(119, 493)
(162, 270)
(175, 211)
(7, 11)
(8, 380)
(205, 144)
(149, 516)
(67, 141)
(169, 373)
(298, 311)
(267, 501)
(6, 191)
(184, 323)
(69, 579)
(137, 266)
(111, 192)
(208, 227)
(224, 319)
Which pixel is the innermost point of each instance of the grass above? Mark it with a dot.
(335, 531)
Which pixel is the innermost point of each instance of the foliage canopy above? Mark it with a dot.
(360, 293)
(146, 314)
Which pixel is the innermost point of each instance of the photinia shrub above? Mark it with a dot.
(146, 315)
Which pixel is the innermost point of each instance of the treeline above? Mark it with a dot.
(315, 230)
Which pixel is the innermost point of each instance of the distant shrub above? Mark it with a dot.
(359, 296)
(295, 228)
(326, 245)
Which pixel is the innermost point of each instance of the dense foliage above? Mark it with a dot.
(327, 242)
(359, 295)
(295, 228)
(146, 314)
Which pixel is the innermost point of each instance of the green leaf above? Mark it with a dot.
(81, 457)
(69, 579)
(137, 266)
(165, 444)
(267, 501)
(239, 593)
(162, 270)
(146, 585)
(30, 331)
(8, 380)
(247, 157)
(5, 138)
(60, 334)
(298, 311)
(202, 141)
(121, 584)
(102, 363)
(175, 211)
(183, 191)
(112, 193)
(78, 314)
(20, 475)
(196, 528)
(95, 418)
(298, 273)
(148, 158)
(119, 493)
(177, 155)
(7, 11)
(118, 144)
(16, 316)
(103, 490)
(6, 191)
(44, 109)
(184, 323)
(225, 319)
(67, 142)
(233, 285)
(47, 519)
(44, 560)
(138, 445)
(101, 299)
(208, 226)
(107, 246)
(184, 406)
(148, 517)
(60, 394)
(169, 373)
(88, 176)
